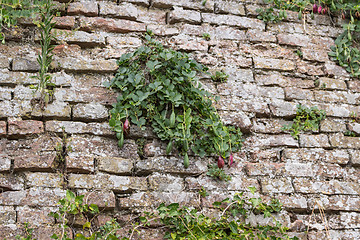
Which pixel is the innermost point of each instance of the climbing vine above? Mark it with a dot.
(159, 88)
(346, 50)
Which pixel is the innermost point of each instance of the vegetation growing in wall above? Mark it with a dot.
(233, 220)
(346, 50)
(159, 88)
(307, 119)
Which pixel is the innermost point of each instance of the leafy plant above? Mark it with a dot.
(220, 76)
(218, 173)
(307, 119)
(349, 133)
(28, 233)
(44, 87)
(206, 36)
(159, 88)
(12, 10)
(346, 50)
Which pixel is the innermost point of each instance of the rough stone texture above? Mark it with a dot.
(267, 80)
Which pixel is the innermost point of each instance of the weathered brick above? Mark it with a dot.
(39, 179)
(34, 216)
(295, 201)
(60, 110)
(341, 141)
(292, 93)
(353, 85)
(335, 202)
(79, 163)
(332, 69)
(11, 182)
(102, 198)
(25, 65)
(311, 54)
(281, 185)
(124, 10)
(337, 97)
(339, 110)
(238, 119)
(276, 79)
(23, 93)
(171, 165)
(192, 4)
(304, 185)
(191, 44)
(89, 65)
(280, 169)
(332, 125)
(309, 68)
(91, 111)
(350, 220)
(31, 160)
(64, 22)
(261, 140)
(335, 234)
(154, 199)
(110, 25)
(161, 30)
(94, 94)
(13, 78)
(231, 20)
(355, 157)
(268, 125)
(152, 16)
(320, 140)
(281, 108)
(276, 64)
(255, 35)
(332, 84)
(5, 93)
(264, 155)
(181, 15)
(2, 128)
(270, 50)
(24, 127)
(33, 197)
(235, 8)
(105, 181)
(293, 39)
(86, 8)
(102, 129)
(5, 162)
(104, 147)
(10, 231)
(317, 154)
(7, 215)
(165, 183)
(80, 38)
(4, 62)
(115, 165)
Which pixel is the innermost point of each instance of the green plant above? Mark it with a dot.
(346, 50)
(45, 87)
(220, 76)
(349, 133)
(159, 88)
(12, 10)
(218, 173)
(307, 119)
(206, 36)
(28, 233)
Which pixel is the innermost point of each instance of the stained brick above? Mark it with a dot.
(181, 15)
(335, 235)
(151, 16)
(33, 197)
(102, 129)
(11, 182)
(255, 35)
(165, 183)
(332, 125)
(65, 22)
(5, 93)
(115, 165)
(303, 185)
(355, 157)
(79, 163)
(7, 215)
(281, 108)
(5, 162)
(312, 54)
(276, 64)
(39, 179)
(308, 68)
(110, 25)
(332, 84)
(35, 216)
(209, 5)
(331, 69)
(89, 65)
(292, 93)
(91, 111)
(103, 199)
(293, 39)
(34, 161)
(336, 97)
(236, 21)
(162, 30)
(105, 181)
(80, 38)
(320, 140)
(86, 8)
(341, 141)
(60, 110)
(235, 8)
(24, 127)
(191, 44)
(281, 185)
(124, 10)
(336, 202)
(13, 78)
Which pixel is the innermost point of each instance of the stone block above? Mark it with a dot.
(333, 84)
(307, 186)
(335, 234)
(235, 8)
(231, 20)
(25, 65)
(191, 4)
(79, 163)
(14, 78)
(23, 93)
(292, 93)
(293, 39)
(115, 165)
(2, 128)
(30, 160)
(152, 16)
(5, 162)
(190, 44)
(35, 216)
(280, 185)
(355, 157)
(318, 155)
(102, 198)
(264, 155)
(5, 93)
(335, 202)
(11, 182)
(238, 119)
(4, 62)
(104, 147)
(24, 127)
(64, 22)
(105, 181)
(340, 141)
(60, 110)
(333, 70)
(332, 125)
(10, 231)
(295, 201)
(261, 140)
(172, 165)
(80, 38)
(91, 111)
(40, 179)
(353, 85)
(161, 30)
(86, 8)
(255, 35)
(181, 15)
(124, 10)
(110, 25)
(264, 125)
(309, 68)
(86, 65)
(318, 55)
(274, 64)
(165, 183)
(320, 140)
(7, 215)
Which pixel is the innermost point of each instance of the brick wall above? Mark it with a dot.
(267, 79)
